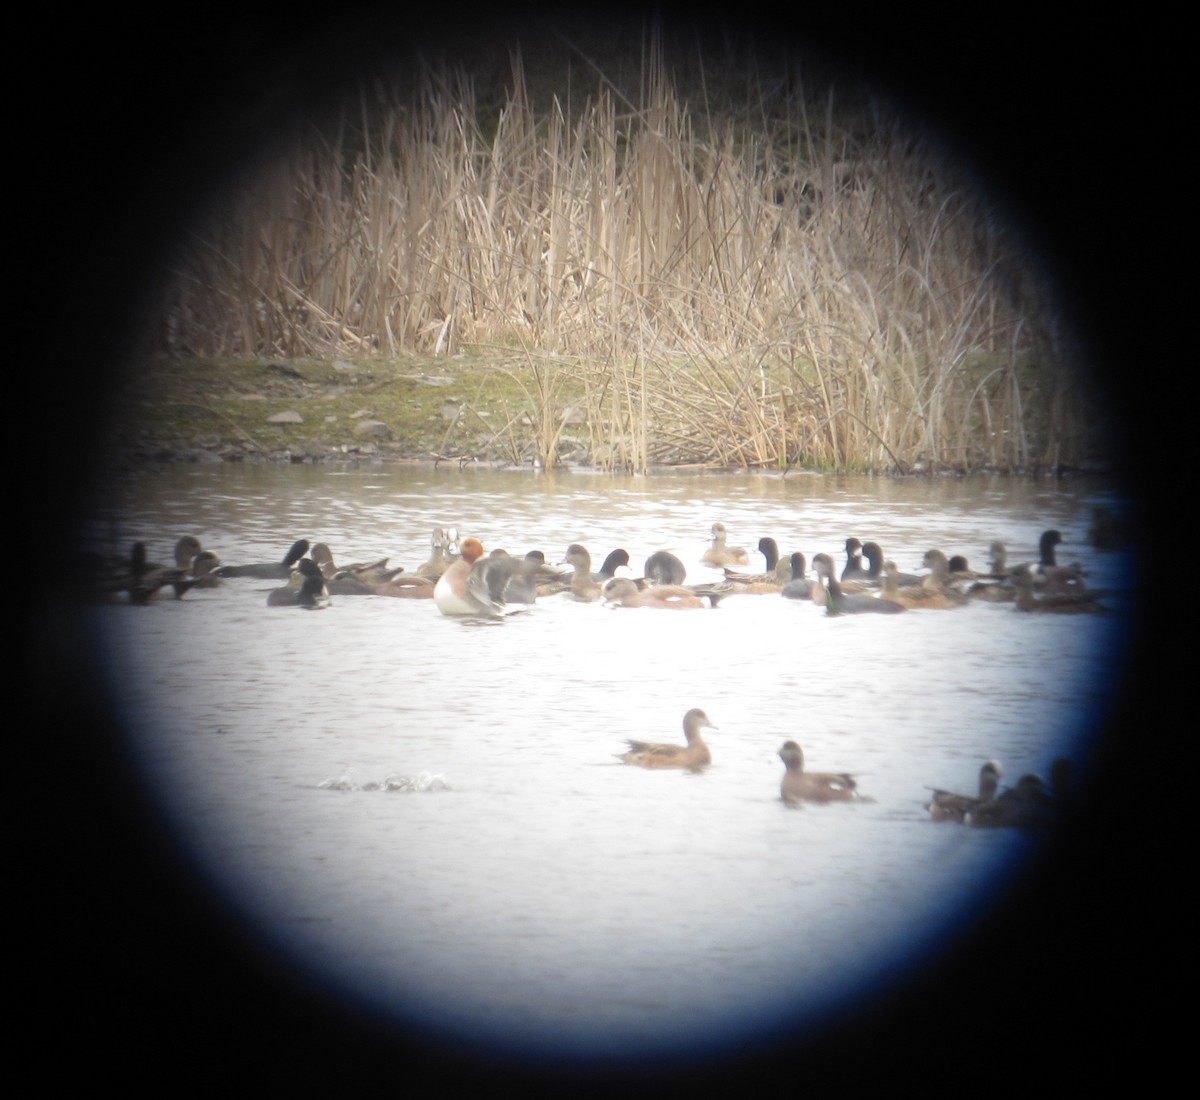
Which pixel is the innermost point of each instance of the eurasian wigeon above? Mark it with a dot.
(479, 586)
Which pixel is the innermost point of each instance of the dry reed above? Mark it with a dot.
(773, 282)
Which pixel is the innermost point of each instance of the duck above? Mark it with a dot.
(694, 755)
(186, 550)
(854, 569)
(535, 578)
(584, 586)
(663, 567)
(543, 581)
(203, 565)
(998, 559)
(421, 582)
(801, 786)
(960, 568)
(1047, 572)
(719, 554)
(874, 554)
(917, 596)
(858, 577)
(276, 570)
(479, 586)
(622, 592)
(937, 587)
(366, 571)
(306, 588)
(443, 552)
(612, 563)
(1071, 602)
(947, 806)
(839, 602)
(799, 587)
(775, 575)
(144, 580)
(996, 586)
(1027, 805)
(405, 586)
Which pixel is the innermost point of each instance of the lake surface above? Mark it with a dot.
(426, 816)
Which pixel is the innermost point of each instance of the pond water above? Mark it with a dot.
(426, 817)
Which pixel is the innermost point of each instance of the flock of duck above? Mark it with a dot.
(1027, 804)
(464, 581)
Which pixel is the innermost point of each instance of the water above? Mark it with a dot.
(520, 888)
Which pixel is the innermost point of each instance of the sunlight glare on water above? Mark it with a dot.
(427, 815)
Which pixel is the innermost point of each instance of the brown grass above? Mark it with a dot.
(771, 281)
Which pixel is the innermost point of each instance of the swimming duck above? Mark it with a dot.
(799, 587)
(186, 550)
(1076, 602)
(801, 786)
(622, 592)
(346, 583)
(839, 602)
(694, 755)
(947, 806)
(1028, 805)
(935, 591)
(874, 555)
(1047, 572)
(306, 588)
(479, 586)
(996, 586)
(998, 559)
(443, 552)
(203, 565)
(534, 579)
(663, 567)
(405, 586)
(719, 554)
(143, 580)
(583, 587)
(365, 571)
(776, 574)
(612, 563)
(854, 569)
(276, 570)
(918, 596)
(960, 569)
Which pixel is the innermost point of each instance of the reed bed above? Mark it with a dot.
(768, 278)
